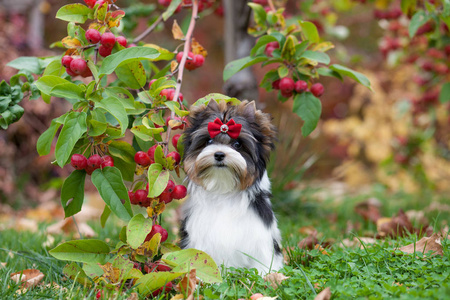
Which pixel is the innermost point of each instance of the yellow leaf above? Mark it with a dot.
(111, 273)
(176, 31)
(70, 42)
(173, 66)
(175, 123)
(150, 211)
(159, 208)
(197, 48)
(323, 47)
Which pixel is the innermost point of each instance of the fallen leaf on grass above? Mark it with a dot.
(399, 225)
(2, 265)
(369, 210)
(324, 295)
(309, 242)
(275, 279)
(358, 242)
(133, 296)
(188, 284)
(68, 226)
(29, 277)
(424, 245)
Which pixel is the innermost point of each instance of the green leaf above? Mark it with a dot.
(98, 123)
(85, 251)
(28, 63)
(308, 108)
(46, 83)
(132, 74)
(123, 154)
(74, 272)
(157, 180)
(316, 56)
(77, 13)
(160, 158)
(111, 188)
(262, 41)
(105, 215)
(128, 55)
(259, 13)
(288, 51)
(235, 66)
(137, 230)
(327, 72)
(444, 95)
(54, 68)
(67, 90)
(171, 9)
(144, 133)
(72, 193)
(116, 109)
(175, 107)
(74, 127)
(216, 97)
(153, 281)
(359, 77)
(44, 142)
(283, 71)
(309, 31)
(189, 259)
(93, 69)
(418, 20)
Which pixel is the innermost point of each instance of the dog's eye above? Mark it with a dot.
(210, 142)
(237, 145)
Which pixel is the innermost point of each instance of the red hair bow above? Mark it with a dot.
(231, 128)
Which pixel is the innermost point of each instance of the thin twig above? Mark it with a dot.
(78, 229)
(272, 7)
(187, 48)
(148, 30)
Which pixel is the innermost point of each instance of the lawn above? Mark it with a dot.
(347, 261)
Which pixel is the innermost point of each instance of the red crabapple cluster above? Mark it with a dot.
(202, 4)
(193, 61)
(94, 162)
(288, 87)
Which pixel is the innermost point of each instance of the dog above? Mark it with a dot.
(228, 213)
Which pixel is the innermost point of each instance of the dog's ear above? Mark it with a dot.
(212, 105)
(250, 111)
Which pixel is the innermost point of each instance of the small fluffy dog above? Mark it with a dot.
(228, 213)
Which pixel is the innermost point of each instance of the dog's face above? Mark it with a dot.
(223, 163)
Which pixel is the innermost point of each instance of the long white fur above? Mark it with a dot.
(221, 221)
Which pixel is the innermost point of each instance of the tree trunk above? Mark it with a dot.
(238, 44)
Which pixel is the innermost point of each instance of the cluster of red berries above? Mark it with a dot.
(107, 41)
(76, 66)
(168, 93)
(193, 61)
(172, 191)
(94, 162)
(288, 86)
(157, 266)
(147, 158)
(390, 14)
(92, 3)
(202, 4)
(270, 47)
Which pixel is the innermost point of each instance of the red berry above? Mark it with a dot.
(93, 36)
(89, 169)
(441, 68)
(86, 73)
(276, 84)
(163, 268)
(108, 39)
(70, 72)
(179, 192)
(95, 161)
(78, 66)
(122, 41)
(151, 152)
(170, 186)
(176, 156)
(447, 50)
(427, 65)
(157, 229)
(166, 289)
(273, 44)
(287, 84)
(101, 2)
(165, 197)
(141, 158)
(317, 89)
(108, 161)
(190, 62)
(90, 3)
(175, 140)
(132, 198)
(180, 96)
(140, 196)
(164, 3)
(66, 60)
(179, 56)
(300, 86)
(150, 83)
(268, 50)
(198, 60)
(168, 93)
(104, 51)
(99, 293)
(78, 161)
(286, 94)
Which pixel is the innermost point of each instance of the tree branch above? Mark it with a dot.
(148, 30)
(186, 49)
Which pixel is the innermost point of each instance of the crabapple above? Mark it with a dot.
(166, 289)
(108, 161)
(140, 196)
(317, 89)
(198, 60)
(300, 86)
(104, 51)
(175, 140)
(164, 3)
(90, 3)
(93, 36)
(165, 197)
(66, 60)
(70, 72)
(276, 84)
(95, 161)
(78, 66)
(179, 56)
(170, 186)
(142, 158)
(286, 85)
(179, 192)
(108, 39)
(132, 198)
(176, 156)
(78, 161)
(286, 94)
(151, 82)
(151, 152)
(122, 41)
(157, 229)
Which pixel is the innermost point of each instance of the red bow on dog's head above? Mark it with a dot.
(231, 128)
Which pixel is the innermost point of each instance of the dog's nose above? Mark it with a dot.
(219, 156)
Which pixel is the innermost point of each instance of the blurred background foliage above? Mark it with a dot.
(396, 136)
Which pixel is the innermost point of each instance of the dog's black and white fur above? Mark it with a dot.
(228, 213)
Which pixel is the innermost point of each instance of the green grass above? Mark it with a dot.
(376, 271)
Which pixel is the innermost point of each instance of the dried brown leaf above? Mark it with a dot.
(111, 273)
(324, 294)
(309, 242)
(369, 210)
(173, 66)
(425, 244)
(275, 279)
(29, 277)
(188, 284)
(176, 31)
(396, 226)
(197, 48)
